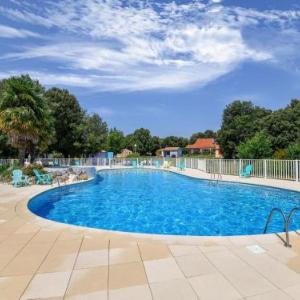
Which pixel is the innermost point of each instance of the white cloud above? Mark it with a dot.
(143, 45)
(10, 32)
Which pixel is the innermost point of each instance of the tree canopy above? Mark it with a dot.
(241, 120)
(35, 121)
(68, 121)
(24, 115)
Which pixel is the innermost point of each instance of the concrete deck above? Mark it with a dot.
(41, 259)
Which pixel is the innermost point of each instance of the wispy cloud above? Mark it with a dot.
(10, 32)
(135, 45)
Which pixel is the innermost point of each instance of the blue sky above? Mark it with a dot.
(170, 66)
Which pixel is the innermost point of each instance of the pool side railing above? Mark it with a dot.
(262, 168)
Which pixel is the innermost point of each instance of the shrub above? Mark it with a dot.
(259, 146)
(28, 170)
(280, 154)
(293, 151)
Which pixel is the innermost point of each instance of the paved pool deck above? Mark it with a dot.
(41, 259)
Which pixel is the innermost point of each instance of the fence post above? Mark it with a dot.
(240, 166)
(265, 168)
(297, 170)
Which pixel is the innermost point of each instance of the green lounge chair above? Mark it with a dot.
(18, 179)
(42, 178)
(247, 172)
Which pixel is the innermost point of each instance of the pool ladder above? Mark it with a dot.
(287, 220)
(215, 178)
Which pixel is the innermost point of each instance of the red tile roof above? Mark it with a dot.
(209, 143)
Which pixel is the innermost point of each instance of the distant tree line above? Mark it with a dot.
(37, 121)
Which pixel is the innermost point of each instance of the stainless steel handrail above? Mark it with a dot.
(214, 178)
(286, 224)
(290, 216)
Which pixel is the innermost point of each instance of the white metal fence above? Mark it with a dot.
(264, 168)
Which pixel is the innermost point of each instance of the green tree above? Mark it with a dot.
(241, 120)
(5, 149)
(293, 151)
(259, 146)
(96, 134)
(156, 144)
(116, 141)
(24, 115)
(174, 141)
(68, 122)
(283, 125)
(140, 141)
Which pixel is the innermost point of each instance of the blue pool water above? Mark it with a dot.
(154, 201)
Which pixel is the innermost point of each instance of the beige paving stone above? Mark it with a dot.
(249, 282)
(293, 291)
(92, 258)
(207, 249)
(91, 282)
(180, 250)
(51, 298)
(12, 225)
(28, 228)
(94, 242)
(162, 270)
(13, 287)
(214, 287)
(27, 260)
(178, 289)
(101, 295)
(194, 265)
(45, 235)
(61, 257)
(71, 234)
(126, 275)
(124, 255)
(92, 296)
(283, 254)
(47, 285)
(273, 295)
(267, 239)
(273, 270)
(225, 261)
(140, 292)
(244, 240)
(8, 251)
(20, 238)
(121, 241)
(152, 251)
(294, 263)
(3, 237)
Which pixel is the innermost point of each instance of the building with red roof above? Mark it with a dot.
(205, 145)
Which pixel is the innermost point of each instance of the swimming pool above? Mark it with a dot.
(161, 202)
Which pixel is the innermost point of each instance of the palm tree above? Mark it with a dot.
(24, 114)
